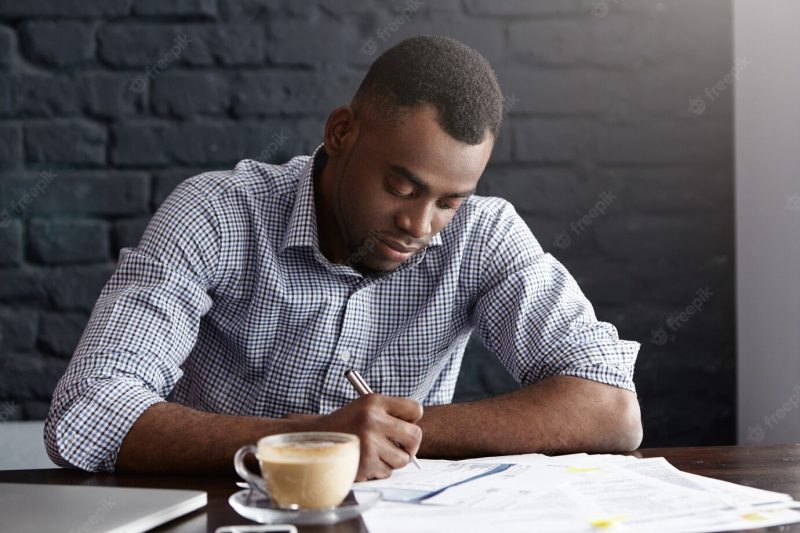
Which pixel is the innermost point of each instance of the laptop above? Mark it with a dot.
(38, 508)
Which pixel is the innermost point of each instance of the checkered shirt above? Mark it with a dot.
(227, 305)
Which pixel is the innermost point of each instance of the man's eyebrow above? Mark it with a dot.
(419, 182)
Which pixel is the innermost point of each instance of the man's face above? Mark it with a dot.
(395, 187)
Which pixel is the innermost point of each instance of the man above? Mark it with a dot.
(253, 291)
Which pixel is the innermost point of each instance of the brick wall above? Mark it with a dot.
(617, 150)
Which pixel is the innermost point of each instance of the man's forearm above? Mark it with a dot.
(172, 437)
(556, 415)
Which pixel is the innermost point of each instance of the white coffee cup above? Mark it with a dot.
(309, 470)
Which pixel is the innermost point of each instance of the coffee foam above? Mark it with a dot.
(312, 444)
(298, 452)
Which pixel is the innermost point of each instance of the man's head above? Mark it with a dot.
(407, 151)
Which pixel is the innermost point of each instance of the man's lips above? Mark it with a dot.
(394, 251)
(399, 247)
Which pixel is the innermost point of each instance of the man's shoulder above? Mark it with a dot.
(252, 178)
(490, 206)
(481, 213)
(481, 219)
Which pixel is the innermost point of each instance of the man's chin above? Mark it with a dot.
(373, 265)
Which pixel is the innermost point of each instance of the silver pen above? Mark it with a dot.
(362, 388)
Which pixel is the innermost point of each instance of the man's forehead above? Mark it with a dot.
(420, 150)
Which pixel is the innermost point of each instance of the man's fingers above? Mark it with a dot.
(372, 464)
(380, 455)
(403, 408)
(394, 456)
(374, 472)
(408, 436)
(386, 415)
(386, 427)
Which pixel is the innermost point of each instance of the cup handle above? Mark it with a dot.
(255, 482)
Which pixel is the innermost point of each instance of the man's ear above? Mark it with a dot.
(341, 131)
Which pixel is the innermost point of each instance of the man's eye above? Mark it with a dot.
(401, 194)
(445, 205)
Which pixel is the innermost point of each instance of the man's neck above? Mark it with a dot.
(327, 227)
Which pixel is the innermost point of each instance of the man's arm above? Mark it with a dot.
(577, 374)
(559, 414)
(169, 437)
(142, 328)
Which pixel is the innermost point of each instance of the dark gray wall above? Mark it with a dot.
(616, 150)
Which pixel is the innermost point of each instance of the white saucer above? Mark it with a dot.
(255, 506)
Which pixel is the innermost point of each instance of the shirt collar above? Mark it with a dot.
(302, 228)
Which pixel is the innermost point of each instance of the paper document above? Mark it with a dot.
(574, 493)
(411, 484)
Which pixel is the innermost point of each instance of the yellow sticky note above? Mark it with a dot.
(583, 468)
(605, 523)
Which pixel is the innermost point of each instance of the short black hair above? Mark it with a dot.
(438, 71)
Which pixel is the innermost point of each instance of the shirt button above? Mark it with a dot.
(345, 356)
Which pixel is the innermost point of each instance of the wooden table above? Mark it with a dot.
(768, 467)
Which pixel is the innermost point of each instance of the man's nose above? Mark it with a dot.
(416, 219)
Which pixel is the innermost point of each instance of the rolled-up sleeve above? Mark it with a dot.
(533, 315)
(142, 328)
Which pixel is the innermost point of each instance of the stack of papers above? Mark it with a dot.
(569, 493)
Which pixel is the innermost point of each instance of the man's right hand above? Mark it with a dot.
(379, 421)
